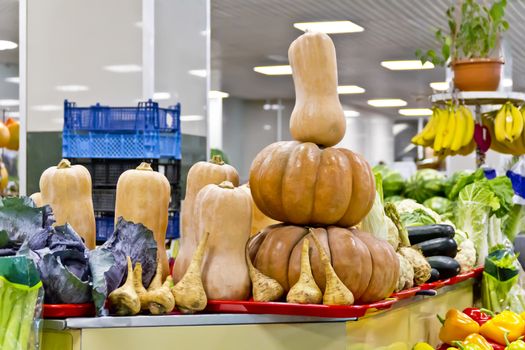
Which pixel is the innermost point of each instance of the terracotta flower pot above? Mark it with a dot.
(477, 74)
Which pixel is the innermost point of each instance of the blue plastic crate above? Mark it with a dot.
(105, 227)
(145, 131)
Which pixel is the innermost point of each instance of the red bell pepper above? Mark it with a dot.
(495, 346)
(477, 315)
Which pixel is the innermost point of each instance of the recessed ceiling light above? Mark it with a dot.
(267, 127)
(201, 73)
(351, 114)
(218, 94)
(47, 108)
(274, 70)
(191, 118)
(507, 82)
(161, 96)
(123, 68)
(406, 65)
(13, 80)
(331, 27)
(7, 45)
(349, 89)
(388, 102)
(72, 88)
(138, 24)
(415, 112)
(9, 103)
(440, 85)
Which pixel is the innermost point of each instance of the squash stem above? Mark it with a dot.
(227, 184)
(217, 159)
(64, 164)
(144, 166)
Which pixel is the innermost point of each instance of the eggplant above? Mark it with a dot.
(418, 234)
(446, 266)
(434, 275)
(438, 246)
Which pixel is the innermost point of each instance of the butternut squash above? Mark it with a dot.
(200, 174)
(14, 134)
(37, 199)
(302, 184)
(318, 116)
(259, 220)
(143, 196)
(225, 212)
(67, 189)
(4, 135)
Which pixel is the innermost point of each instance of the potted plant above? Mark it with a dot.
(472, 45)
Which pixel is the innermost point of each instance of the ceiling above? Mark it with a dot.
(247, 33)
(9, 29)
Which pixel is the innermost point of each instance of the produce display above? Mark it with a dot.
(505, 129)
(259, 220)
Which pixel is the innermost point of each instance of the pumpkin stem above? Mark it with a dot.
(227, 184)
(144, 166)
(64, 164)
(217, 159)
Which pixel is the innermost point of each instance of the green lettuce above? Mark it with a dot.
(393, 182)
(424, 184)
(440, 205)
(418, 217)
(460, 180)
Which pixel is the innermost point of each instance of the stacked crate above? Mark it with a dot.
(111, 140)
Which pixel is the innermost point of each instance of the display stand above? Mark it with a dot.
(409, 321)
(478, 99)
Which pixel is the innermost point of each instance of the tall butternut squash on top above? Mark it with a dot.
(317, 116)
(143, 196)
(201, 174)
(67, 189)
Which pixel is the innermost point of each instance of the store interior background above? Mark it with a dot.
(119, 52)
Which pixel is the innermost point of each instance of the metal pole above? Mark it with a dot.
(480, 156)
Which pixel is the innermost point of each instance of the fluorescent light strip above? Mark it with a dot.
(161, 96)
(7, 45)
(13, 114)
(47, 108)
(440, 85)
(191, 118)
(123, 68)
(72, 88)
(330, 27)
(415, 112)
(201, 73)
(13, 80)
(9, 103)
(406, 65)
(388, 102)
(218, 94)
(351, 114)
(349, 89)
(507, 82)
(274, 70)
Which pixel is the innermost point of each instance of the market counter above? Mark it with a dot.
(406, 323)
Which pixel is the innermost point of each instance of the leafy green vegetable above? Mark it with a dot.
(424, 184)
(440, 205)
(459, 180)
(514, 222)
(393, 199)
(501, 186)
(418, 217)
(19, 219)
(393, 182)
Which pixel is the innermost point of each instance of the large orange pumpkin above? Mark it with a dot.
(368, 266)
(303, 184)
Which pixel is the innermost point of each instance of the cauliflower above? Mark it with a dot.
(406, 274)
(409, 205)
(466, 256)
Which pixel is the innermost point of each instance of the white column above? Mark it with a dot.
(215, 122)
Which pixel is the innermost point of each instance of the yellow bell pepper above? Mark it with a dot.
(479, 340)
(506, 323)
(423, 346)
(456, 327)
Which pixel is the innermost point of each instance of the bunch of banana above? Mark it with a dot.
(449, 131)
(503, 140)
(508, 125)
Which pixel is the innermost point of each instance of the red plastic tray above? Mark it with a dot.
(68, 310)
(407, 293)
(278, 308)
(465, 276)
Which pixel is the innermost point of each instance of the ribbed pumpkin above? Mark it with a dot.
(143, 196)
(302, 184)
(67, 189)
(259, 220)
(225, 212)
(4, 177)
(200, 174)
(368, 266)
(14, 134)
(4, 135)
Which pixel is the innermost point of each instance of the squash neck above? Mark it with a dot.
(64, 164)
(217, 159)
(144, 166)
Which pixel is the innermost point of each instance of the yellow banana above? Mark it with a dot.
(440, 128)
(468, 149)
(469, 129)
(429, 132)
(499, 124)
(517, 122)
(450, 129)
(459, 132)
(509, 117)
(495, 144)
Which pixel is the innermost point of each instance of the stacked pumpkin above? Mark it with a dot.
(319, 193)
